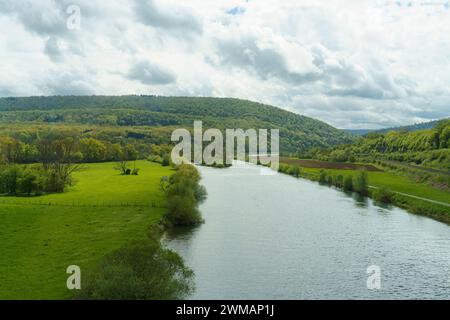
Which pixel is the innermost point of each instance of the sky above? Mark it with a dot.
(353, 64)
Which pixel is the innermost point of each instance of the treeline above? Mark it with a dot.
(424, 147)
(36, 144)
(297, 132)
(46, 162)
(358, 183)
(35, 180)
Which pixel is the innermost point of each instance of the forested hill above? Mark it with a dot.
(413, 127)
(297, 132)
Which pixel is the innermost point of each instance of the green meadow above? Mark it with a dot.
(394, 182)
(42, 236)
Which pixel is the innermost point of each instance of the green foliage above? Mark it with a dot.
(339, 181)
(88, 222)
(430, 148)
(296, 132)
(421, 207)
(361, 183)
(141, 270)
(165, 161)
(348, 183)
(183, 195)
(323, 176)
(383, 194)
(35, 179)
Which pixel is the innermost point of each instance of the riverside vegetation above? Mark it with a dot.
(57, 154)
(101, 230)
(144, 270)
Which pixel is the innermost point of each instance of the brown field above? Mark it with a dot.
(307, 163)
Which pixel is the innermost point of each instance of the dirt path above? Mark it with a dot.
(416, 197)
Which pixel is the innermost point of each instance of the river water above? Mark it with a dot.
(278, 237)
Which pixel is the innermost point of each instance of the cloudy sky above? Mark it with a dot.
(353, 64)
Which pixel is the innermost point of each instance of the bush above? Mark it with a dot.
(183, 195)
(361, 183)
(30, 182)
(9, 177)
(383, 194)
(165, 161)
(348, 183)
(330, 180)
(339, 181)
(294, 171)
(142, 270)
(323, 176)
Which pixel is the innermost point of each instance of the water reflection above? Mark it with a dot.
(275, 237)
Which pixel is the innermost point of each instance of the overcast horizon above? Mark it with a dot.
(352, 64)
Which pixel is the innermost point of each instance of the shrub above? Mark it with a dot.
(30, 182)
(322, 176)
(339, 181)
(295, 171)
(183, 195)
(361, 183)
(9, 176)
(142, 270)
(165, 161)
(348, 183)
(330, 180)
(383, 194)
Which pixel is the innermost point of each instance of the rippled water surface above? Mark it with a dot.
(277, 237)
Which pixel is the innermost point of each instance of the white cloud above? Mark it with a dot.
(354, 64)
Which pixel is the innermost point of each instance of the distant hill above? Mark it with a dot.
(358, 132)
(297, 132)
(413, 127)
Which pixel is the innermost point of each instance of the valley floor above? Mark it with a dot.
(41, 236)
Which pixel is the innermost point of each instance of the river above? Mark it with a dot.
(279, 237)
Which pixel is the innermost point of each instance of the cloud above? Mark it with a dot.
(176, 19)
(353, 64)
(264, 60)
(53, 50)
(151, 74)
(68, 82)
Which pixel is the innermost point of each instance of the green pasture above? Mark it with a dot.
(41, 236)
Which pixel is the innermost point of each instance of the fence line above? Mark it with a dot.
(76, 204)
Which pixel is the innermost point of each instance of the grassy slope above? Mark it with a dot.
(395, 183)
(38, 242)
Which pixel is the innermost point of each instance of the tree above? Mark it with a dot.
(383, 194)
(93, 150)
(9, 178)
(142, 270)
(361, 183)
(348, 183)
(62, 164)
(183, 195)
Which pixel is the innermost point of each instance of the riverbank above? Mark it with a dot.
(277, 237)
(416, 198)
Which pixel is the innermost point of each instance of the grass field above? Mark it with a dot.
(394, 182)
(41, 236)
